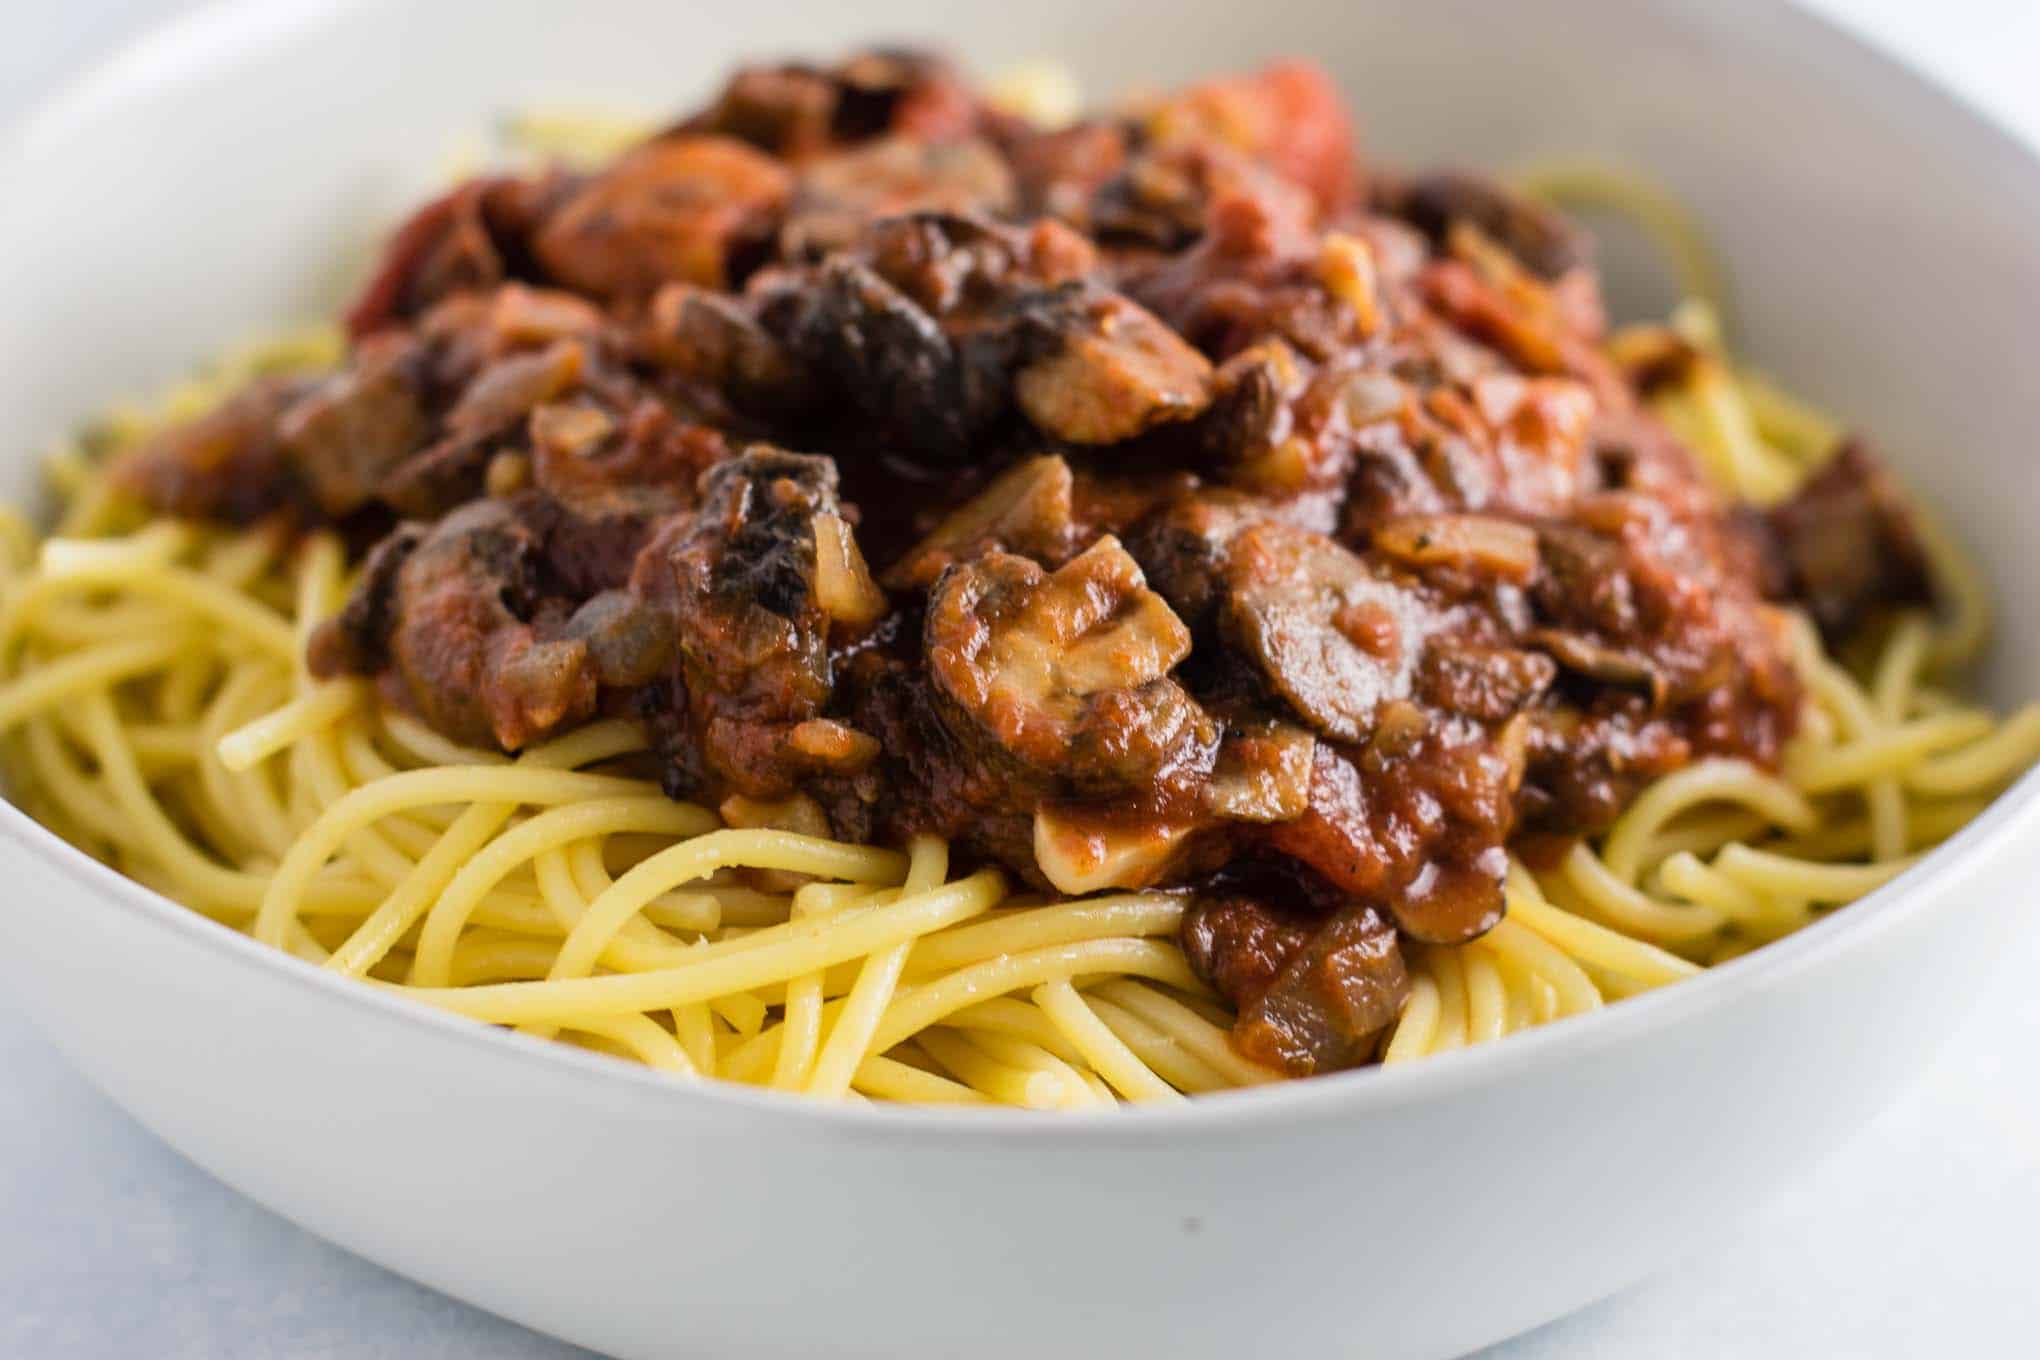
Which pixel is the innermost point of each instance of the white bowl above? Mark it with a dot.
(201, 188)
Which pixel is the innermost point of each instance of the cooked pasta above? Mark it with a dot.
(160, 713)
(159, 717)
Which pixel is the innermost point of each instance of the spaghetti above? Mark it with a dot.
(158, 716)
(158, 713)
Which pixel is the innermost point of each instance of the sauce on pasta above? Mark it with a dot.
(887, 591)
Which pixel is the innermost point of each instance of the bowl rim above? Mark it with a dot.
(218, 34)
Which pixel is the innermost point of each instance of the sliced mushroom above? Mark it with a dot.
(889, 359)
(1311, 995)
(459, 242)
(1165, 198)
(1262, 773)
(1536, 234)
(686, 209)
(749, 620)
(797, 111)
(1112, 371)
(714, 340)
(225, 463)
(1065, 674)
(504, 393)
(526, 318)
(1280, 427)
(839, 195)
(356, 640)
(1482, 545)
(1026, 509)
(951, 261)
(453, 468)
(1486, 681)
(1589, 656)
(1851, 544)
(1182, 547)
(1585, 580)
(1451, 903)
(462, 642)
(1328, 634)
(1081, 849)
(359, 425)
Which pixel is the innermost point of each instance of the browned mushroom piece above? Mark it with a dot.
(1453, 901)
(1481, 545)
(1066, 674)
(1263, 771)
(1026, 510)
(1536, 234)
(680, 209)
(714, 340)
(1312, 994)
(464, 241)
(1487, 681)
(838, 196)
(1249, 433)
(489, 411)
(782, 110)
(1585, 655)
(797, 110)
(504, 392)
(356, 640)
(1415, 822)
(355, 428)
(466, 644)
(893, 363)
(1329, 633)
(630, 640)
(1850, 544)
(950, 262)
(1111, 371)
(938, 323)
(751, 615)
(227, 464)
(600, 465)
(1584, 580)
(1182, 547)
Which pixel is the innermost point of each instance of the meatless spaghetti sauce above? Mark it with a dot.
(1171, 499)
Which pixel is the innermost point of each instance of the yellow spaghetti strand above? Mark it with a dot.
(850, 1038)
(250, 744)
(1109, 1057)
(734, 966)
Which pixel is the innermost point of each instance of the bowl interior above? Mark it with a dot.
(228, 178)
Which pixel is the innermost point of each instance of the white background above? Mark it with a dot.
(1921, 1236)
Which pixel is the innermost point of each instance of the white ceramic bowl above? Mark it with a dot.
(202, 187)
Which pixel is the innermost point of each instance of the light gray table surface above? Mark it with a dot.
(1920, 1236)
